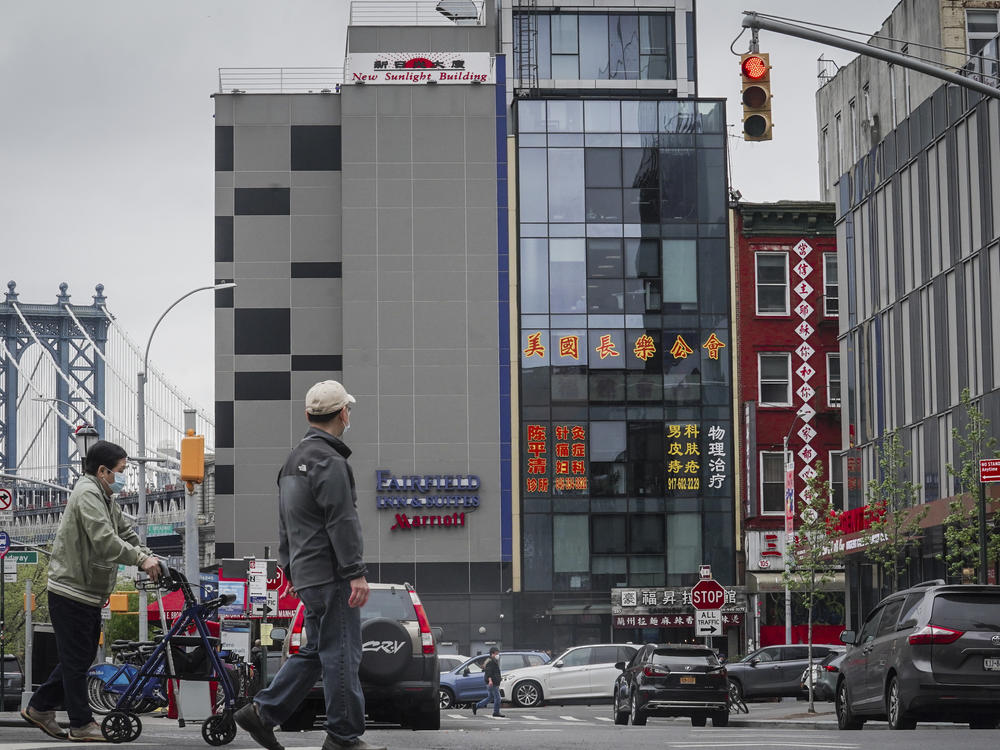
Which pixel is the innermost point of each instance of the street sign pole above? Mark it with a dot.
(989, 471)
(4, 548)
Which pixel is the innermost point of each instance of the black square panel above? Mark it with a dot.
(315, 148)
(316, 270)
(223, 239)
(224, 550)
(274, 201)
(224, 479)
(223, 148)
(315, 363)
(263, 386)
(262, 330)
(224, 424)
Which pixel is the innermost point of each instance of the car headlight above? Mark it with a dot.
(508, 677)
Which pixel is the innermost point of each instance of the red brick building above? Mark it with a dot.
(787, 386)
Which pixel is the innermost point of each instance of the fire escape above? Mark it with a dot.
(526, 51)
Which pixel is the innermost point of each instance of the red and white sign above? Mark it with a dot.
(708, 594)
(6, 499)
(989, 470)
(419, 67)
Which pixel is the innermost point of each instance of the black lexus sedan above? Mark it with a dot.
(672, 679)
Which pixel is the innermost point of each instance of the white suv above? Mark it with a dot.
(579, 674)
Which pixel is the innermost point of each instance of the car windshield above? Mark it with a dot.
(681, 657)
(393, 604)
(760, 655)
(967, 611)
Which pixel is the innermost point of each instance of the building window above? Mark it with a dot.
(855, 139)
(775, 379)
(892, 94)
(980, 27)
(826, 158)
(839, 133)
(831, 296)
(772, 483)
(833, 380)
(835, 474)
(772, 283)
(906, 84)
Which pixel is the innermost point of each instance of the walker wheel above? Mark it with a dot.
(219, 729)
(121, 726)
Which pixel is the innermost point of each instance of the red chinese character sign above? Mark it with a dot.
(555, 459)
(609, 348)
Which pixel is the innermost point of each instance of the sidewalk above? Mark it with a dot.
(787, 713)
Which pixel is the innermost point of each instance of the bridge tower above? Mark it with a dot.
(80, 378)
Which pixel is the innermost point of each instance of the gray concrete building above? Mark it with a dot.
(866, 99)
(918, 239)
(486, 176)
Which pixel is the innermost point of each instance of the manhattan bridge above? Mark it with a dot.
(63, 365)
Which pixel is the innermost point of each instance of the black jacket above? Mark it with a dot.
(319, 534)
(492, 669)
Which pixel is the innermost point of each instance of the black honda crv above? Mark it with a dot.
(930, 653)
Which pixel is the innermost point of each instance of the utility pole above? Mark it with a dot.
(755, 21)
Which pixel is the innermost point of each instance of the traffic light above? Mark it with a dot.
(755, 71)
(192, 459)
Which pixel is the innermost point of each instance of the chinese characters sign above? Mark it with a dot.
(419, 67)
(665, 607)
(670, 621)
(690, 455)
(643, 347)
(556, 458)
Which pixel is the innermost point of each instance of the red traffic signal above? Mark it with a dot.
(755, 72)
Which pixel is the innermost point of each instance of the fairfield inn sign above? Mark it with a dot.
(429, 496)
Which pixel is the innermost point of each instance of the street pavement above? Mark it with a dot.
(773, 726)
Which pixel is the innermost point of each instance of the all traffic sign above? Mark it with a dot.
(708, 594)
(707, 622)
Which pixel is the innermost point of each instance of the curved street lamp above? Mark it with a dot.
(141, 459)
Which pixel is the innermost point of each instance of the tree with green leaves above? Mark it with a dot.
(14, 615)
(814, 557)
(961, 526)
(892, 514)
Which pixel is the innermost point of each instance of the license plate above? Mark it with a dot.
(693, 680)
(991, 664)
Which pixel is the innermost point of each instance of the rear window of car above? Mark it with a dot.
(790, 653)
(685, 657)
(393, 604)
(967, 611)
(535, 660)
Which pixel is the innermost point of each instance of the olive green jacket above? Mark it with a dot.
(94, 537)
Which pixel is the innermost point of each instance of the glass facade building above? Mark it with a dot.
(625, 369)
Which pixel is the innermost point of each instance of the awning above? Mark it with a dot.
(579, 609)
(758, 583)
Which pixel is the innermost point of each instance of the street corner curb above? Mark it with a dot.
(783, 723)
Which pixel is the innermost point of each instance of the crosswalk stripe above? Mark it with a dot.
(603, 718)
(570, 718)
(457, 716)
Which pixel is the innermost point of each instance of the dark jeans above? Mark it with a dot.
(77, 629)
(492, 696)
(333, 652)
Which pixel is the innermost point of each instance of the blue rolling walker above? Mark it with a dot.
(122, 723)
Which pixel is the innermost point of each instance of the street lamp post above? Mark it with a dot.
(141, 459)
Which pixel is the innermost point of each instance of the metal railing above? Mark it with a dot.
(280, 80)
(418, 13)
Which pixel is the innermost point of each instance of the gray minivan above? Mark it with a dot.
(931, 653)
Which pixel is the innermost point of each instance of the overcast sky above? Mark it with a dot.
(106, 139)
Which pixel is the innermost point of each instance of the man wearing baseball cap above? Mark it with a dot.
(320, 549)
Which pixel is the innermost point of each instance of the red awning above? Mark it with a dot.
(173, 605)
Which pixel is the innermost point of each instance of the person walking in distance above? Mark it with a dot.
(320, 550)
(93, 539)
(491, 673)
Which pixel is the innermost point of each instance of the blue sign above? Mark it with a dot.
(209, 585)
(4, 543)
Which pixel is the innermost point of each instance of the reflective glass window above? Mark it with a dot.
(683, 542)
(605, 296)
(593, 46)
(607, 441)
(772, 483)
(772, 283)
(602, 116)
(678, 191)
(568, 275)
(604, 167)
(569, 384)
(608, 533)
(604, 205)
(680, 274)
(566, 193)
(566, 67)
(607, 386)
(531, 115)
(711, 192)
(570, 543)
(604, 258)
(534, 275)
(642, 258)
(775, 377)
(624, 47)
(639, 117)
(544, 46)
(608, 349)
(565, 116)
(644, 386)
(646, 571)
(564, 34)
(532, 182)
(568, 347)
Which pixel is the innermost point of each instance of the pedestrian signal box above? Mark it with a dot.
(193, 458)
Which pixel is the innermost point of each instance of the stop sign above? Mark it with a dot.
(708, 594)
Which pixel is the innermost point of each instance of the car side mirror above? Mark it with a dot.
(465, 672)
(278, 635)
(620, 666)
(849, 637)
(754, 662)
(558, 664)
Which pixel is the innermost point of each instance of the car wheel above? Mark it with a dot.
(894, 709)
(720, 719)
(699, 721)
(426, 718)
(845, 716)
(447, 699)
(636, 715)
(300, 721)
(987, 722)
(527, 694)
(621, 717)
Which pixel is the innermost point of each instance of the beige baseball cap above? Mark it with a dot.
(327, 397)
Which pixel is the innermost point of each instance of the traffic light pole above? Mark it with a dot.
(754, 21)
